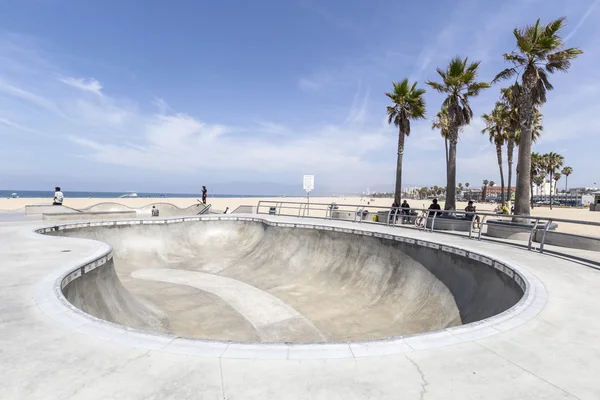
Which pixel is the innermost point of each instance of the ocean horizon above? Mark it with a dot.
(31, 194)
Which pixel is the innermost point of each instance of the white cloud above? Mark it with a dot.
(360, 104)
(88, 85)
(582, 20)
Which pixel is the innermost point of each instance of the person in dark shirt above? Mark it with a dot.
(394, 212)
(405, 211)
(470, 211)
(204, 191)
(434, 206)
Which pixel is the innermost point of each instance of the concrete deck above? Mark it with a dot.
(550, 351)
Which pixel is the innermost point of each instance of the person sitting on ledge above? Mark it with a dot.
(435, 206)
(155, 211)
(470, 212)
(58, 197)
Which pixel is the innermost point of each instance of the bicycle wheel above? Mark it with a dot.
(419, 221)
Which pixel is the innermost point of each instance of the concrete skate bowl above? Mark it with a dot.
(252, 280)
(165, 209)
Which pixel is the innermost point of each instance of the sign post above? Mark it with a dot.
(309, 185)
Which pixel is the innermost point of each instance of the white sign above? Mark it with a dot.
(309, 183)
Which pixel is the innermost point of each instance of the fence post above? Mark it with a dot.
(544, 235)
(532, 233)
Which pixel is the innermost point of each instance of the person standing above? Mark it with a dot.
(405, 212)
(204, 191)
(58, 197)
(155, 212)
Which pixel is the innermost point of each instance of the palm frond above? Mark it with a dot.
(507, 73)
(554, 27)
(437, 86)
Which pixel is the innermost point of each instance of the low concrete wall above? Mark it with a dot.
(508, 230)
(449, 224)
(47, 208)
(569, 240)
(81, 216)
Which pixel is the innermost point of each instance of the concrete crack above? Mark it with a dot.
(109, 372)
(425, 383)
(222, 380)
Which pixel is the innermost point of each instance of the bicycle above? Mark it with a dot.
(421, 219)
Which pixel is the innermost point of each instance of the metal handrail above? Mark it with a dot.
(542, 224)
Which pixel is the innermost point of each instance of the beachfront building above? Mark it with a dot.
(494, 193)
(411, 192)
(545, 188)
(472, 194)
(565, 199)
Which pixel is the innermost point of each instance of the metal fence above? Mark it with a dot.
(468, 224)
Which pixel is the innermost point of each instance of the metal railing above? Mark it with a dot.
(469, 224)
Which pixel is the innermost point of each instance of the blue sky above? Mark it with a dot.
(166, 96)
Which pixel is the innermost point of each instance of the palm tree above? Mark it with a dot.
(459, 84)
(537, 167)
(441, 122)
(408, 103)
(510, 115)
(557, 176)
(536, 132)
(495, 127)
(552, 162)
(484, 189)
(539, 179)
(539, 52)
(566, 171)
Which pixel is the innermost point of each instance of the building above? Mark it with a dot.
(472, 194)
(494, 192)
(545, 188)
(565, 199)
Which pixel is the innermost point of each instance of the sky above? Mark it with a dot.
(247, 97)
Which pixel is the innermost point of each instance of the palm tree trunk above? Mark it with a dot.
(551, 188)
(531, 187)
(510, 146)
(499, 154)
(446, 143)
(451, 177)
(398, 191)
(522, 206)
(566, 183)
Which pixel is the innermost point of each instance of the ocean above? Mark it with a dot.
(29, 194)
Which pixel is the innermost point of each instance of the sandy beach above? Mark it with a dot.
(579, 214)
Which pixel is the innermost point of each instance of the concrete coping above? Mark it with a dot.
(50, 299)
(84, 213)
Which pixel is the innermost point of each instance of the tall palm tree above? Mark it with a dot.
(495, 128)
(557, 176)
(407, 103)
(566, 171)
(459, 84)
(552, 162)
(441, 122)
(484, 189)
(510, 113)
(539, 52)
(537, 167)
(536, 132)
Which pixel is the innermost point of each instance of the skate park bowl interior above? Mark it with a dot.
(246, 279)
